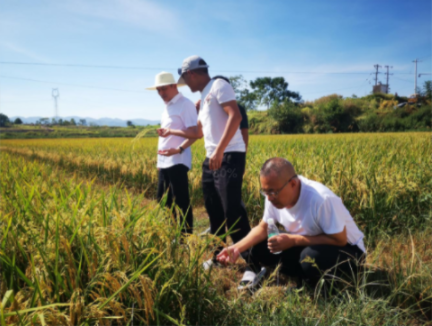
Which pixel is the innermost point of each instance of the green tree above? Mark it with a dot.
(238, 83)
(18, 121)
(336, 118)
(288, 115)
(72, 122)
(248, 99)
(243, 95)
(4, 120)
(427, 89)
(44, 121)
(267, 90)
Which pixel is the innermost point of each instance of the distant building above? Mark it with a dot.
(380, 88)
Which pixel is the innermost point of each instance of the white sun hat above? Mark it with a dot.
(162, 79)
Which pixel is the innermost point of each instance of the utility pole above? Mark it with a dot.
(377, 66)
(387, 73)
(415, 76)
(55, 94)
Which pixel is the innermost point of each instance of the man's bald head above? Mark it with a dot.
(278, 166)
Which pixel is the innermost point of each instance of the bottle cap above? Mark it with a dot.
(270, 221)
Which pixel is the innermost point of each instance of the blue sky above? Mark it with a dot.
(319, 47)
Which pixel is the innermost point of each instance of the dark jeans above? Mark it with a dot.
(222, 196)
(348, 260)
(175, 180)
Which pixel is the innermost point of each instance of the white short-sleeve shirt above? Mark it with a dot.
(317, 211)
(214, 119)
(179, 113)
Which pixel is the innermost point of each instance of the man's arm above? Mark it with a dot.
(194, 132)
(173, 151)
(285, 241)
(234, 119)
(255, 236)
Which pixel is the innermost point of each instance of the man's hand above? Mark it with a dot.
(169, 152)
(164, 132)
(228, 255)
(281, 242)
(198, 105)
(215, 161)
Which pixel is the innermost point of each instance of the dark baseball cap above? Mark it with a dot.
(191, 63)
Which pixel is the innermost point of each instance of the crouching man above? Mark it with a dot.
(317, 226)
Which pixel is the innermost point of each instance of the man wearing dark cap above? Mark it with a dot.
(218, 122)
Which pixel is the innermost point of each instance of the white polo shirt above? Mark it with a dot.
(214, 119)
(317, 211)
(179, 113)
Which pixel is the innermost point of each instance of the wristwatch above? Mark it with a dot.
(181, 149)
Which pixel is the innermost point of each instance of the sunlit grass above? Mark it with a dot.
(76, 250)
(383, 179)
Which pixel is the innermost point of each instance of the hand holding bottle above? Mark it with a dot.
(272, 232)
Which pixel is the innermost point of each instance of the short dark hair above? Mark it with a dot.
(277, 165)
(222, 77)
(201, 71)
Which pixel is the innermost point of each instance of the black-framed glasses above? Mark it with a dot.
(276, 193)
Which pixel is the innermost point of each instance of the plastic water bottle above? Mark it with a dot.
(272, 230)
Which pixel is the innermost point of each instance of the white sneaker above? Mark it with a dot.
(207, 231)
(208, 264)
(251, 280)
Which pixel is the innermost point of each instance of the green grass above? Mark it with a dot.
(76, 253)
(38, 132)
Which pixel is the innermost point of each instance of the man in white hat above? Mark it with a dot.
(218, 121)
(179, 113)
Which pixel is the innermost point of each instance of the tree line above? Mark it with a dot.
(282, 110)
(286, 112)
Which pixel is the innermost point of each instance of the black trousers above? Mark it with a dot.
(222, 196)
(175, 180)
(309, 263)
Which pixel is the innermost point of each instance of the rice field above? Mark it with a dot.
(82, 243)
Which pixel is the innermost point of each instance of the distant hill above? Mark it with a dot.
(111, 122)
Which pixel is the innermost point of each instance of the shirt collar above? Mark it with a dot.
(208, 86)
(298, 204)
(175, 99)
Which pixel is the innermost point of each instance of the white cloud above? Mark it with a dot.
(19, 49)
(144, 14)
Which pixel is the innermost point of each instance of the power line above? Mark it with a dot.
(74, 65)
(336, 90)
(70, 65)
(405, 80)
(74, 85)
(25, 101)
(428, 56)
